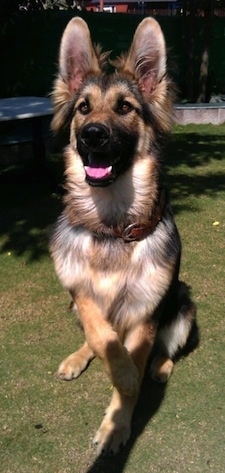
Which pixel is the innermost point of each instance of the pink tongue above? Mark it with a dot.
(98, 173)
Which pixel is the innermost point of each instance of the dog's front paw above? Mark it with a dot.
(72, 367)
(113, 434)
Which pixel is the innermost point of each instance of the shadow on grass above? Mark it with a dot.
(195, 148)
(182, 186)
(28, 206)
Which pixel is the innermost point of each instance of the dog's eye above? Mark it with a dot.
(84, 107)
(124, 107)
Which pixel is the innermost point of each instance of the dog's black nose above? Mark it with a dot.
(94, 135)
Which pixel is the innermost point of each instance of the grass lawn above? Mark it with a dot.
(47, 425)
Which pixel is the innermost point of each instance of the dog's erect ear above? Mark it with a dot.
(77, 57)
(146, 64)
(146, 59)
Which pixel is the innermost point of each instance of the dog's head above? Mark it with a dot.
(115, 118)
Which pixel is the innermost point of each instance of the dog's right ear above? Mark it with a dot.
(77, 59)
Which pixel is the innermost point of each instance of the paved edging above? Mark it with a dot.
(199, 113)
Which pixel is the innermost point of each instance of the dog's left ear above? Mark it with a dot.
(147, 55)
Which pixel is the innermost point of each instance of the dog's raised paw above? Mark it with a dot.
(125, 377)
(128, 383)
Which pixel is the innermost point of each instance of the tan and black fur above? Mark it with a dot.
(116, 247)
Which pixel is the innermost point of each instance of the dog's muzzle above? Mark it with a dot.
(94, 148)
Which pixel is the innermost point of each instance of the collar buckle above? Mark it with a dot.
(134, 232)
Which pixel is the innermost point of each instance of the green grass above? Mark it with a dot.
(46, 425)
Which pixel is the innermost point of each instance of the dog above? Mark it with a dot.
(116, 247)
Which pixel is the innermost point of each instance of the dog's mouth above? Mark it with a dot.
(98, 174)
(98, 171)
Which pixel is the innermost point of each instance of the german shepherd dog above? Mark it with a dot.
(116, 247)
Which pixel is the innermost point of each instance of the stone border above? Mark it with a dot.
(199, 114)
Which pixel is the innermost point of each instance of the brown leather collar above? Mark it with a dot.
(136, 232)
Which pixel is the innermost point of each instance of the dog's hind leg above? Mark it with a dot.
(173, 336)
(115, 428)
(161, 368)
(75, 363)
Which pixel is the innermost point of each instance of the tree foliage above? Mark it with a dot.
(192, 10)
(34, 5)
(196, 81)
